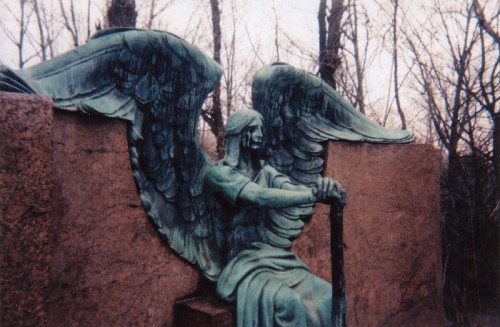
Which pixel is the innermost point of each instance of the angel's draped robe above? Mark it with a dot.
(271, 285)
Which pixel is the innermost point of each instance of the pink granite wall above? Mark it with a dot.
(66, 178)
(109, 267)
(25, 204)
(77, 248)
(391, 230)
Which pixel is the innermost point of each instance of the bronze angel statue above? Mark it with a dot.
(234, 219)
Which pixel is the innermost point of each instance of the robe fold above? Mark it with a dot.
(274, 288)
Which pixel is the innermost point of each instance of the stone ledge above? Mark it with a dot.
(203, 312)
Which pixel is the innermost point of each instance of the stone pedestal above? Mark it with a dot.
(391, 233)
(203, 312)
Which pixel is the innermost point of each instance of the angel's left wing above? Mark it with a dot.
(301, 113)
(158, 83)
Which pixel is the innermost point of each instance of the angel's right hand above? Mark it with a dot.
(327, 190)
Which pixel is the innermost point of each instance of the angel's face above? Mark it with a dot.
(252, 136)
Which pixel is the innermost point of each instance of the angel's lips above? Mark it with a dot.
(255, 145)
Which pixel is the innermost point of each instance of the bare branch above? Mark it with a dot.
(395, 63)
(483, 22)
(71, 30)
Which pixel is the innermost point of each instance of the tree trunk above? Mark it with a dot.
(360, 97)
(121, 13)
(329, 39)
(496, 214)
(395, 63)
(217, 124)
(43, 46)
(22, 34)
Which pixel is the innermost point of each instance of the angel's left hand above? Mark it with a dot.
(328, 189)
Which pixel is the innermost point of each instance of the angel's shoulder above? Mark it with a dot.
(221, 173)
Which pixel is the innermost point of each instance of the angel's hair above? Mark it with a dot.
(240, 119)
(236, 125)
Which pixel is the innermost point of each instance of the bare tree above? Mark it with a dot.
(22, 32)
(45, 27)
(22, 20)
(486, 91)
(213, 114)
(330, 33)
(454, 79)
(230, 66)
(52, 29)
(395, 60)
(484, 23)
(352, 83)
(39, 21)
(230, 50)
(48, 32)
(121, 13)
(150, 12)
(239, 69)
(70, 21)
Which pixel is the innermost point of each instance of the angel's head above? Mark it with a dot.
(244, 132)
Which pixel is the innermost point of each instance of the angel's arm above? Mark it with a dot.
(325, 189)
(276, 198)
(235, 187)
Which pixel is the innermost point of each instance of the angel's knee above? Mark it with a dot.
(288, 307)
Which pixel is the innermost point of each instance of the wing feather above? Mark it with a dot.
(158, 83)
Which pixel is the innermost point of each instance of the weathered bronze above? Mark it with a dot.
(235, 219)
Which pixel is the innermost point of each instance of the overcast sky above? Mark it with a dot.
(256, 22)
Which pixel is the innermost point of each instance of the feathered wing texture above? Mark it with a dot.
(300, 113)
(12, 82)
(158, 82)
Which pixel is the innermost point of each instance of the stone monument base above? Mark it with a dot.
(78, 249)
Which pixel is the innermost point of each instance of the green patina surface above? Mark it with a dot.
(234, 219)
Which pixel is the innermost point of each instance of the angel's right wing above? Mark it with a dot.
(158, 83)
(300, 113)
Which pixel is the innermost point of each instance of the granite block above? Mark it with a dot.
(26, 169)
(109, 266)
(391, 233)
